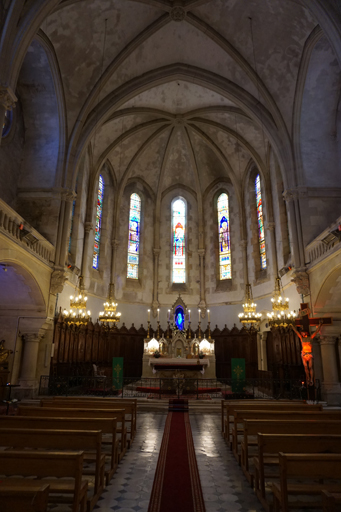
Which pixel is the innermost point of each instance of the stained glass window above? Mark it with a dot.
(134, 237)
(179, 246)
(224, 237)
(99, 211)
(7, 122)
(71, 227)
(261, 235)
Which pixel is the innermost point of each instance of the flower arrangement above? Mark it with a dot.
(157, 354)
(201, 355)
(175, 329)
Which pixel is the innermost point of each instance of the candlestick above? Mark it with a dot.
(168, 329)
(199, 311)
(189, 315)
(158, 315)
(208, 315)
(189, 330)
(169, 315)
(209, 330)
(148, 315)
(148, 329)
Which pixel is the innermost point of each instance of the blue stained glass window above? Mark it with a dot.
(99, 211)
(180, 318)
(224, 237)
(134, 237)
(261, 234)
(7, 124)
(179, 245)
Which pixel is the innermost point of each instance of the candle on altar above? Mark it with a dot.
(158, 315)
(189, 315)
(199, 311)
(169, 315)
(208, 315)
(148, 315)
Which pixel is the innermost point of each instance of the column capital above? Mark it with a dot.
(156, 251)
(32, 337)
(7, 97)
(301, 280)
(201, 252)
(88, 226)
(68, 196)
(289, 195)
(327, 340)
(243, 243)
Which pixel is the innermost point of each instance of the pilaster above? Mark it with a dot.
(28, 380)
(331, 387)
(7, 101)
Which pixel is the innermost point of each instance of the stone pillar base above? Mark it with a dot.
(28, 389)
(331, 393)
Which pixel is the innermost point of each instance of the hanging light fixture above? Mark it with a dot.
(109, 314)
(78, 313)
(249, 318)
(280, 316)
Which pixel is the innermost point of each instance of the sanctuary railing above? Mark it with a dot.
(164, 388)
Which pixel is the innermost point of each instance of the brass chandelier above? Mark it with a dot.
(109, 315)
(78, 313)
(280, 315)
(250, 318)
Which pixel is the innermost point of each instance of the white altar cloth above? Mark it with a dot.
(177, 361)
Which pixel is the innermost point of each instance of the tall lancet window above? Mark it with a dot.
(260, 218)
(134, 237)
(179, 244)
(99, 211)
(224, 237)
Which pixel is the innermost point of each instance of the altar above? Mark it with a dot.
(178, 351)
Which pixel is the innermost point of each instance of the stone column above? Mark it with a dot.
(331, 387)
(7, 101)
(243, 244)
(202, 302)
(155, 304)
(64, 228)
(88, 226)
(27, 380)
(270, 226)
(289, 197)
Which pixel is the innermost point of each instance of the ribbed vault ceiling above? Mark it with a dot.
(175, 92)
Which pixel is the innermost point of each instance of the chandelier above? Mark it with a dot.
(78, 313)
(109, 314)
(249, 318)
(280, 316)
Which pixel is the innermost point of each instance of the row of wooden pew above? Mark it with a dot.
(294, 445)
(70, 446)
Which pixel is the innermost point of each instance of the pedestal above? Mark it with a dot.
(331, 386)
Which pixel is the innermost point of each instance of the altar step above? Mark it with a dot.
(195, 406)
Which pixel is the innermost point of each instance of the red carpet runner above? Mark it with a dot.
(176, 486)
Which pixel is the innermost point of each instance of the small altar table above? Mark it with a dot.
(178, 363)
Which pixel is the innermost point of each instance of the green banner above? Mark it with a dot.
(117, 372)
(238, 375)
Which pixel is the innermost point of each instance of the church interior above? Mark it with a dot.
(171, 201)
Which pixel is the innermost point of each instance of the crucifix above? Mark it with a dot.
(305, 321)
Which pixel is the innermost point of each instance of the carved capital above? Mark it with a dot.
(58, 278)
(34, 337)
(201, 252)
(88, 226)
(7, 97)
(301, 280)
(178, 13)
(156, 251)
(289, 195)
(327, 340)
(68, 196)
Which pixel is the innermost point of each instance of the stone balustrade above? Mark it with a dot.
(317, 250)
(33, 242)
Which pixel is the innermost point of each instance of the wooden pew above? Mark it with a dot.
(77, 403)
(240, 416)
(106, 425)
(253, 427)
(226, 403)
(305, 467)
(131, 403)
(86, 440)
(66, 412)
(330, 501)
(29, 498)
(269, 446)
(52, 468)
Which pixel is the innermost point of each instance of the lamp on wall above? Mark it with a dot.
(78, 313)
(249, 318)
(280, 315)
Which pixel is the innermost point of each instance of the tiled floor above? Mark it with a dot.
(224, 485)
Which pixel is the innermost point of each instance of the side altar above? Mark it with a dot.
(178, 352)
